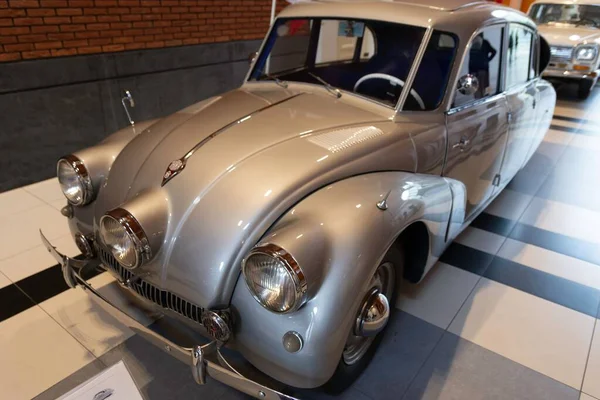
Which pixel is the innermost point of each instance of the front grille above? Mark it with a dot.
(561, 53)
(163, 298)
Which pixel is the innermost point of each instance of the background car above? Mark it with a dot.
(573, 31)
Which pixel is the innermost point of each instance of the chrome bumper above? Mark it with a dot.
(203, 360)
(569, 74)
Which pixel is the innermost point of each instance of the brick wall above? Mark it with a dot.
(32, 29)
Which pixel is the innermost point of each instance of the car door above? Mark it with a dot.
(477, 122)
(522, 96)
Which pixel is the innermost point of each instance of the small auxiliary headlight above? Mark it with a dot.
(122, 234)
(74, 180)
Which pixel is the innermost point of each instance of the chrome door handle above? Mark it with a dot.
(464, 142)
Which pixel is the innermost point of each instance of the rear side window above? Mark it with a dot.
(483, 60)
(431, 80)
(519, 64)
(339, 40)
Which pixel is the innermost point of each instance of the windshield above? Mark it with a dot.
(363, 57)
(573, 14)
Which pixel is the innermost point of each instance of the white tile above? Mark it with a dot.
(439, 296)
(558, 137)
(20, 232)
(591, 383)
(93, 327)
(480, 240)
(563, 218)
(15, 201)
(541, 335)
(48, 190)
(4, 281)
(36, 259)
(586, 142)
(509, 204)
(36, 354)
(550, 262)
(584, 396)
(58, 204)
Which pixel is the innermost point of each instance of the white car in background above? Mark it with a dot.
(572, 28)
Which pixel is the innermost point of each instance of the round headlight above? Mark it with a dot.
(275, 279)
(586, 53)
(124, 237)
(74, 180)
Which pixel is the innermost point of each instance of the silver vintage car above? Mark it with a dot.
(572, 28)
(279, 219)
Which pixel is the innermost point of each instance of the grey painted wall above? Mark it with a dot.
(51, 107)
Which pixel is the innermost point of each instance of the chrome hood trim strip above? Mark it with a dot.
(176, 166)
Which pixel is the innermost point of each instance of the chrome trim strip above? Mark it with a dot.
(176, 166)
(414, 69)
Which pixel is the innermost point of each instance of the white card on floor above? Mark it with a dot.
(114, 383)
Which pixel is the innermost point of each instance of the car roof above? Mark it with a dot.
(461, 17)
(587, 2)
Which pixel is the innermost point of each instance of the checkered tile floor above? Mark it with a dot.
(509, 312)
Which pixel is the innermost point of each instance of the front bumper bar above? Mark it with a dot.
(562, 73)
(204, 361)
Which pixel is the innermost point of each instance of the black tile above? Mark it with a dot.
(13, 301)
(459, 369)
(467, 258)
(494, 224)
(558, 290)
(580, 131)
(571, 119)
(44, 284)
(407, 343)
(558, 243)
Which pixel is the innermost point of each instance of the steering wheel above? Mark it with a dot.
(393, 80)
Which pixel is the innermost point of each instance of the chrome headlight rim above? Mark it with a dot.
(134, 231)
(83, 177)
(292, 268)
(586, 47)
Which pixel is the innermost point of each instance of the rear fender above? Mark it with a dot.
(338, 235)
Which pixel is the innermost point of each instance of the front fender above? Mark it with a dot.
(338, 236)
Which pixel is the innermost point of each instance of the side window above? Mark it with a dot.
(431, 80)
(339, 39)
(519, 64)
(484, 61)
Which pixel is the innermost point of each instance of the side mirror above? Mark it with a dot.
(252, 57)
(468, 84)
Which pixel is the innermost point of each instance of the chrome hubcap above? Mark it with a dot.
(372, 311)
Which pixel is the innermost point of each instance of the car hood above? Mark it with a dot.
(568, 35)
(257, 153)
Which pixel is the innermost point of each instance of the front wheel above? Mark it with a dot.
(364, 338)
(585, 88)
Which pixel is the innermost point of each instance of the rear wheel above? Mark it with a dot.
(585, 88)
(360, 345)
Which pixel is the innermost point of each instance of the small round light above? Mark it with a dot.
(74, 180)
(275, 279)
(124, 237)
(292, 342)
(84, 245)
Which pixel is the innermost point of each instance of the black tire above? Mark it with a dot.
(585, 88)
(345, 374)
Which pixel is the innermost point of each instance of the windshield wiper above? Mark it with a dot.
(336, 92)
(275, 79)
